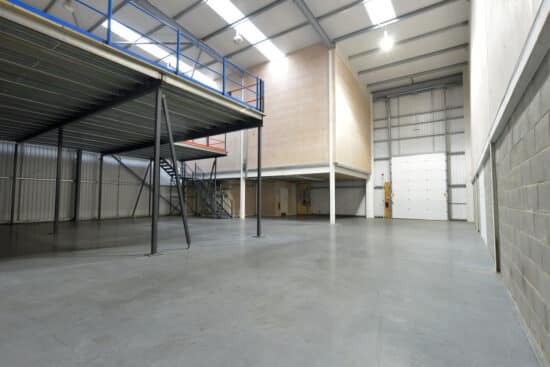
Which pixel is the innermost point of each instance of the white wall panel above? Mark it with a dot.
(457, 170)
(350, 198)
(35, 189)
(381, 172)
(378, 202)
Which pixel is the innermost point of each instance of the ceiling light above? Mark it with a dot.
(246, 29)
(386, 43)
(69, 5)
(238, 39)
(379, 10)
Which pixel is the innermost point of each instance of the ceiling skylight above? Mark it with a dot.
(230, 13)
(379, 10)
(158, 52)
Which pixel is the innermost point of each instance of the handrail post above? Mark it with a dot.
(257, 92)
(109, 20)
(178, 50)
(224, 76)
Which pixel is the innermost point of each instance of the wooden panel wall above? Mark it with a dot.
(353, 119)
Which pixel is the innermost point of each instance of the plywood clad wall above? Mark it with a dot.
(296, 102)
(353, 119)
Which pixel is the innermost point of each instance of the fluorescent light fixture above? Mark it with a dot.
(230, 13)
(379, 10)
(386, 43)
(159, 53)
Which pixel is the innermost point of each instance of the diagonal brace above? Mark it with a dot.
(176, 173)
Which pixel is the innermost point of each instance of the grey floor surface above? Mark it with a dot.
(360, 293)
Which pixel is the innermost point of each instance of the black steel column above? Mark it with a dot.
(259, 186)
(14, 183)
(58, 174)
(100, 188)
(156, 173)
(76, 201)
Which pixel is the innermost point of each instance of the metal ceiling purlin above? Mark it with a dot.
(415, 75)
(394, 20)
(347, 35)
(428, 84)
(410, 39)
(414, 58)
(304, 9)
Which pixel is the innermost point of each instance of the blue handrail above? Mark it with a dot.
(217, 73)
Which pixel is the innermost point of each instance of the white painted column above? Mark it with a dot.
(331, 144)
(370, 181)
(243, 174)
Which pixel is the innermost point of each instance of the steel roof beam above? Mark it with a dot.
(414, 58)
(455, 79)
(304, 9)
(128, 95)
(415, 75)
(410, 39)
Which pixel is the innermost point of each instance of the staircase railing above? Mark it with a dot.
(205, 185)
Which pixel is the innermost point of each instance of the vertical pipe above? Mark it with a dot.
(150, 205)
(78, 178)
(58, 179)
(242, 197)
(178, 51)
(109, 20)
(259, 186)
(257, 92)
(494, 190)
(332, 141)
(447, 152)
(224, 76)
(100, 188)
(156, 173)
(14, 183)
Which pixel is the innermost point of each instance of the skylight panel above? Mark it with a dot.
(230, 13)
(380, 10)
(159, 53)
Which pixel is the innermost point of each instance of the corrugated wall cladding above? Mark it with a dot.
(34, 198)
(422, 123)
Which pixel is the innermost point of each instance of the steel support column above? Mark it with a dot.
(100, 188)
(176, 173)
(58, 179)
(494, 191)
(156, 173)
(78, 178)
(242, 196)
(14, 183)
(259, 186)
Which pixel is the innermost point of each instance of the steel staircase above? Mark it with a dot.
(214, 201)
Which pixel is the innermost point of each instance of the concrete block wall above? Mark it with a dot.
(523, 176)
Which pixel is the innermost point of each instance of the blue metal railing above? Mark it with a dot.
(163, 48)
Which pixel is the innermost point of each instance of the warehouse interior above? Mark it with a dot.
(275, 183)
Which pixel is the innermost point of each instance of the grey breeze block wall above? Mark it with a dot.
(523, 181)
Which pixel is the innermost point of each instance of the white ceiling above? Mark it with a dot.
(200, 20)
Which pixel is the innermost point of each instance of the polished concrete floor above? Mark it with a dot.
(360, 293)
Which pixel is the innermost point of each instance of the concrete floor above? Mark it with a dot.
(361, 293)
